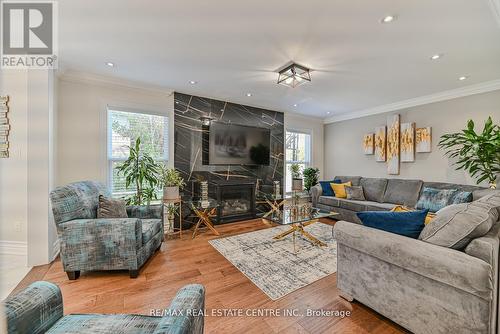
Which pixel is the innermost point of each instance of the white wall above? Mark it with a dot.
(343, 140)
(313, 126)
(82, 123)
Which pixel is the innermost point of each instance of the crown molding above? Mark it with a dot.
(484, 87)
(95, 79)
(495, 8)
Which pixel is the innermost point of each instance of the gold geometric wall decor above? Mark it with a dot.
(393, 128)
(380, 144)
(407, 142)
(369, 143)
(4, 127)
(423, 140)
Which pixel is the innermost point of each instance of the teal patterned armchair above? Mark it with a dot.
(39, 309)
(88, 243)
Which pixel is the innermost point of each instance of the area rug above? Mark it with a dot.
(273, 266)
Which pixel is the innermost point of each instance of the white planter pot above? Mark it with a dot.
(170, 193)
(297, 185)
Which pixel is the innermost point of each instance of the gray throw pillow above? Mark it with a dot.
(111, 208)
(355, 193)
(456, 225)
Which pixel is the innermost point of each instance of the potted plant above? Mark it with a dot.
(477, 153)
(172, 181)
(296, 179)
(171, 210)
(310, 177)
(142, 171)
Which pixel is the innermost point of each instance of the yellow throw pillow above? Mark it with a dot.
(399, 208)
(339, 189)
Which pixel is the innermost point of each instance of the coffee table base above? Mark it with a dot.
(299, 227)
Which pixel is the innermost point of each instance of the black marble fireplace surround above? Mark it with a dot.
(189, 150)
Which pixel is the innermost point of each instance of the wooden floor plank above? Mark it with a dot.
(184, 261)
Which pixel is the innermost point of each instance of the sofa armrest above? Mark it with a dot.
(316, 192)
(486, 247)
(441, 264)
(112, 232)
(190, 306)
(145, 211)
(34, 309)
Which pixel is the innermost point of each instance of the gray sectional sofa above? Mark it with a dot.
(424, 287)
(382, 195)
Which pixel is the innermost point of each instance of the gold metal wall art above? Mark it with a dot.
(407, 142)
(423, 140)
(380, 144)
(393, 131)
(4, 126)
(369, 143)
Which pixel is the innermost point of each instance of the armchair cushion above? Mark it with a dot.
(111, 208)
(145, 211)
(105, 323)
(149, 228)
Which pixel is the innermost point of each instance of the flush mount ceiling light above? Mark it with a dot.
(192, 82)
(249, 94)
(293, 75)
(388, 19)
(462, 78)
(110, 64)
(436, 56)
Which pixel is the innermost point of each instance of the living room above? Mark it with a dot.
(229, 167)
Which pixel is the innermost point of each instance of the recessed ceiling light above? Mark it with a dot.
(462, 78)
(295, 105)
(436, 56)
(110, 64)
(192, 82)
(388, 19)
(249, 94)
(328, 112)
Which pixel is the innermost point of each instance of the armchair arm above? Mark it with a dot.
(316, 192)
(34, 309)
(145, 211)
(441, 264)
(190, 300)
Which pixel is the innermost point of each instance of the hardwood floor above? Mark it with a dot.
(183, 261)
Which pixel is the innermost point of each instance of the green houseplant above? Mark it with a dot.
(171, 180)
(142, 171)
(296, 177)
(310, 177)
(477, 153)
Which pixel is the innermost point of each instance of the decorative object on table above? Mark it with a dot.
(142, 171)
(4, 126)
(277, 189)
(380, 144)
(393, 131)
(171, 180)
(423, 140)
(407, 142)
(310, 177)
(477, 153)
(369, 143)
(204, 192)
(296, 179)
(276, 257)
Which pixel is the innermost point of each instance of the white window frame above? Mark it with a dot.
(111, 160)
(309, 147)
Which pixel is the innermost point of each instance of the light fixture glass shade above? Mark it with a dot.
(294, 75)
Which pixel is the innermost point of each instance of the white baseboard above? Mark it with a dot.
(13, 247)
(55, 249)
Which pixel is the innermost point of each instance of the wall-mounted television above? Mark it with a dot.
(235, 144)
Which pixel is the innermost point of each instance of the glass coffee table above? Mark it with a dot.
(297, 222)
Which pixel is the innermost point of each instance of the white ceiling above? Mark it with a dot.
(233, 47)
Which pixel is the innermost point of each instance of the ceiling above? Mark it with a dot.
(231, 48)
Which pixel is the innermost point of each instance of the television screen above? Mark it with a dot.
(233, 144)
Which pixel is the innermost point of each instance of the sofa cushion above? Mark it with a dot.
(149, 228)
(355, 193)
(344, 179)
(354, 205)
(409, 224)
(376, 206)
(461, 197)
(326, 188)
(403, 192)
(111, 208)
(435, 199)
(456, 225)
(339, 189)
(374, 188)
(329, 200)
(399, 208)
(104, 323)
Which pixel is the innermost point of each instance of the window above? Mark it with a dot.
(124, 128)
(297, 150)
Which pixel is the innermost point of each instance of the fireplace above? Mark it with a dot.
(237, 200)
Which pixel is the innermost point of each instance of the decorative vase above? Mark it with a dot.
(277, 189)
(297, 184)
(170, 193)
(204, 193)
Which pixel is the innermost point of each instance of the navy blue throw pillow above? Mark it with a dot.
(409, 224)
(327, 188)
